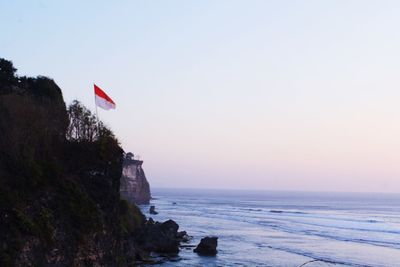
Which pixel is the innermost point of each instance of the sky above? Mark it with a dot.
(271, 95)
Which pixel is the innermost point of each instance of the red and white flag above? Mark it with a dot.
(102, 99)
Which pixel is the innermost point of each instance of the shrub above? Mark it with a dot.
(131, 217)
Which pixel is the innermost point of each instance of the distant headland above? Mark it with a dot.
(134, 185)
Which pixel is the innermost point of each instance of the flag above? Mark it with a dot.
(102, 99)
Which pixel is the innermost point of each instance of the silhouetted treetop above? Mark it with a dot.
(7, 76)
(7, 71)
(83, 125)
(41, 87)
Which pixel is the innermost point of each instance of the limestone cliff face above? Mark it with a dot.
(134, 185)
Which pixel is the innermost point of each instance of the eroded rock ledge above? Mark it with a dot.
(134, 186)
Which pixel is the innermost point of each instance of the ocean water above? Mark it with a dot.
(284, 228)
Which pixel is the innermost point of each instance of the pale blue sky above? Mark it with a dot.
(281, 95)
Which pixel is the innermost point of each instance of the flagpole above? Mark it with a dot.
(95, 104)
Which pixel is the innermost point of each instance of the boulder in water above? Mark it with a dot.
(153, 210)
(207, 246)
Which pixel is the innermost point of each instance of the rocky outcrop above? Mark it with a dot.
(161, 237)
(207, 246)
(153, 210)
(134, 186)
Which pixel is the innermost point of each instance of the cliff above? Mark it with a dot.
(59, 181)
(60, 173)
(134, 185)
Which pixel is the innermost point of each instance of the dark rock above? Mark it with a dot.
(187, 246)
(184, 237)
(181, 234)
(150, 221)
(153, 210)
(207, 246)
(160, 237)
(170, 227)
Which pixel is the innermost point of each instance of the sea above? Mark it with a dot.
(270, 228)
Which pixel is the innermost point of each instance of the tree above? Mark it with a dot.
(83, 125)
(7, 75)
(7, 70)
